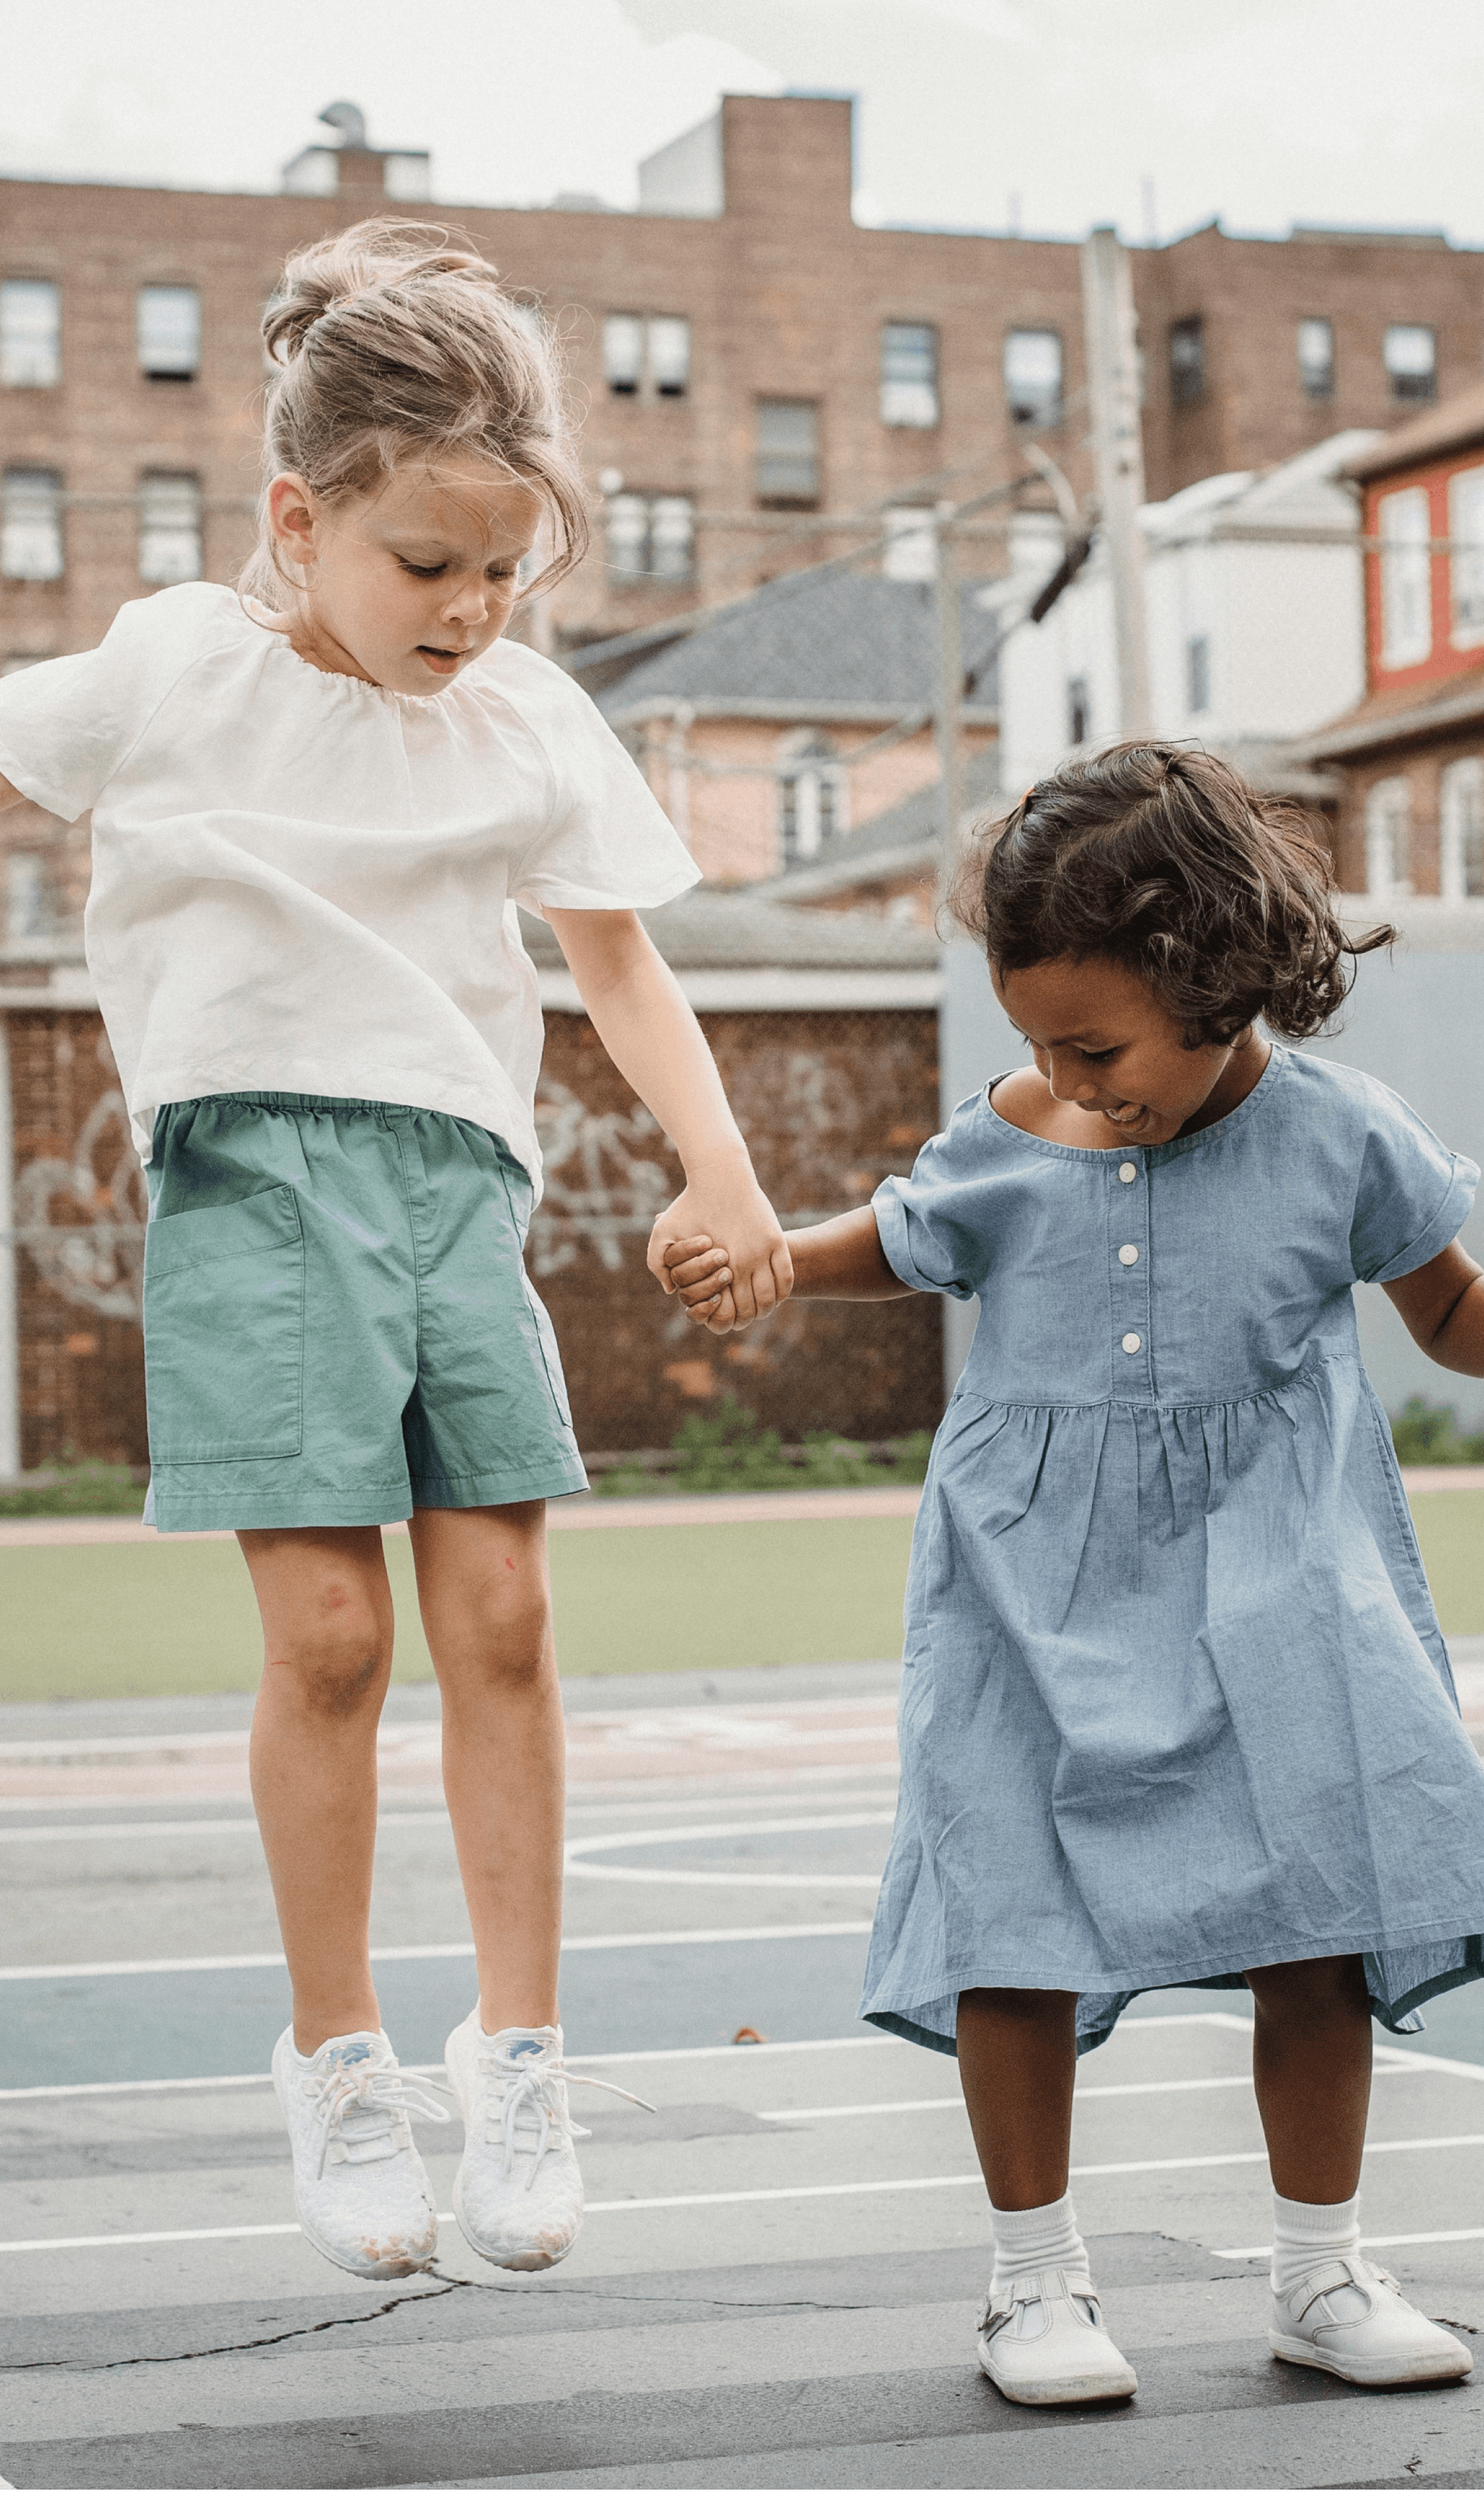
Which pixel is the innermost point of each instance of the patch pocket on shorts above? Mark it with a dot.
(223, 1331)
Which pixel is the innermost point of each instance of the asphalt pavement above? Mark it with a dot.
(776, 2283)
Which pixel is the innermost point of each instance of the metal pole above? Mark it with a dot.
(950, 699)
(1118, 453)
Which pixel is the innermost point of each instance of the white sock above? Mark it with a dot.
(1028, 2238)
(1305, 2236)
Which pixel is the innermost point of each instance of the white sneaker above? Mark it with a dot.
(519, 2194)
(1043, 2342)
(1351, 2317)
(359, 2182)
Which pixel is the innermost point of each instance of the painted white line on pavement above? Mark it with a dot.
(618, 2059)
(750, 2198)
(1373, 2243)
(132, 1830)
(1084, 2095)
(580, 1866)
(453, 1949)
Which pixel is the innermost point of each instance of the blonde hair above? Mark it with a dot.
(394, 341)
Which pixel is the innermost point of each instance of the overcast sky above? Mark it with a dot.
(972, 113)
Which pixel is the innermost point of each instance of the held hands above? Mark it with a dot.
(722, 1287)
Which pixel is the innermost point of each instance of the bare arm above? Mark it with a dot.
(835, 1259)
(8, 797)
(1442, 1307)
(655, 1039)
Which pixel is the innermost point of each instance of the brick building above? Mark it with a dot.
(1409, 760)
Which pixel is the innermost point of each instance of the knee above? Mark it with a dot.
(1310, 1992)
(336, 1664)
(504, 1650)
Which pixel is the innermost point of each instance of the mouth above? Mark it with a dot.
(443, 662)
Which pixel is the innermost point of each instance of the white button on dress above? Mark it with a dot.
(1128, 1172)
(1133, 1341)
(1128, 1254)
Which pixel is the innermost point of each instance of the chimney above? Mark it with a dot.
(364, 176)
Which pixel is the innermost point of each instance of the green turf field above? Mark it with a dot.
(176, 1617)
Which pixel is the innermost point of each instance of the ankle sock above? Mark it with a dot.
(1028, 2238)
(1305, 2236)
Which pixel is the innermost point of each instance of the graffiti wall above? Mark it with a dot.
(830, 1102)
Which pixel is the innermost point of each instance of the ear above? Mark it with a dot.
(293, 516)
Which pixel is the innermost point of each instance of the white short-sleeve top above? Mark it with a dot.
(305, 882)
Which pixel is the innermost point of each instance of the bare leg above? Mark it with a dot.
(1310, 2066)
(326, 1612)
(1017, 2061)
(485, 1595)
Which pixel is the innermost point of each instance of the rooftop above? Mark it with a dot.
(713, 930)
(1454, 426)
(812, 642)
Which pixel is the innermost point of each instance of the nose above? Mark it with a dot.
(1068, 1080)
(469, 604)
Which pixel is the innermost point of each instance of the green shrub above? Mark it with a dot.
(728, 1450)
(73, 1488)
(1428, 1432)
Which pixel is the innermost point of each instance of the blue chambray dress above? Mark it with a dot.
(1174, 1700)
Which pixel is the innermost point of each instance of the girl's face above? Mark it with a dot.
(1112, 1056)
(404, 586)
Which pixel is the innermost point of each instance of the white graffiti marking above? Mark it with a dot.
(601, 1185)
(97, 1262)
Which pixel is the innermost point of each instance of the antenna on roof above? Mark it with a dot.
(349, 119)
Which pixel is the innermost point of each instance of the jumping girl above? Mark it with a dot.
(315, 808)
(1176, 1707)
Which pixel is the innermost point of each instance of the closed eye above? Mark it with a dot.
(1097, 1056)
(422, 570)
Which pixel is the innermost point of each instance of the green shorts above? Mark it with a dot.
(338, 1326)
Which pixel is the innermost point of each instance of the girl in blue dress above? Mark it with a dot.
(1175, 1706)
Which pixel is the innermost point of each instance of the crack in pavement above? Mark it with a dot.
(446, 2285)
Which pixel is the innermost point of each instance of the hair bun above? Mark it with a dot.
(379, 255)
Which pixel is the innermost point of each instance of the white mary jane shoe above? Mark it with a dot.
(1043, 2342)
(1352, 2319)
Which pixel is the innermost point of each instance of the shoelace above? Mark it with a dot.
(366, 2088)
(526, 2092)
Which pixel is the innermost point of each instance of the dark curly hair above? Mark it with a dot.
(1166, 861)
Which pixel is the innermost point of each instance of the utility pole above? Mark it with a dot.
(950, 698)
(1118, 454)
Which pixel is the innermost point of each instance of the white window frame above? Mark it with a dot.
(801, 456)
(1461, 829)
(169, 343)
(659, 531)
(1466, 560)
(667, 346)
(814, 798)
(30, 346)
(170, 531)
(1388, 839)
(32, 542)
(1404, 370)
(1041, 396)
(1318, 373)
(1404, 522)
(909, 402)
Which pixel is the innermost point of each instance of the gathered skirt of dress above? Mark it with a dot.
(1175, 1703)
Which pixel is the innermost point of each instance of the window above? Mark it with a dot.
(169, 329)
(1317, 358)
(1410, 357)
(169, 530)
(651, 537)
(812, 798)
(1388, 839)
(1198, 673)
(28, 897)
(1078, 711)
(909, 544)
(635, 350)
(1463, 831)
(1033, 376)
(30, 333)
(1188, 361)
(1407, 576)
(31, 527)
(670, 356)
(787, 451)
(909, 375)
(1466, 563)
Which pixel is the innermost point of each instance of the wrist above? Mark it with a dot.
(723, 1161)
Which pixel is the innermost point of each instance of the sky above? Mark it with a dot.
(1047, 114)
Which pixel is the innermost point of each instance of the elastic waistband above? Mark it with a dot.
(296, 1104)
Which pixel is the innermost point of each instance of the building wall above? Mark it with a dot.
(829, 1102)
(786, 297)
(1420, 765)
(733, 822)
(1445, 657)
